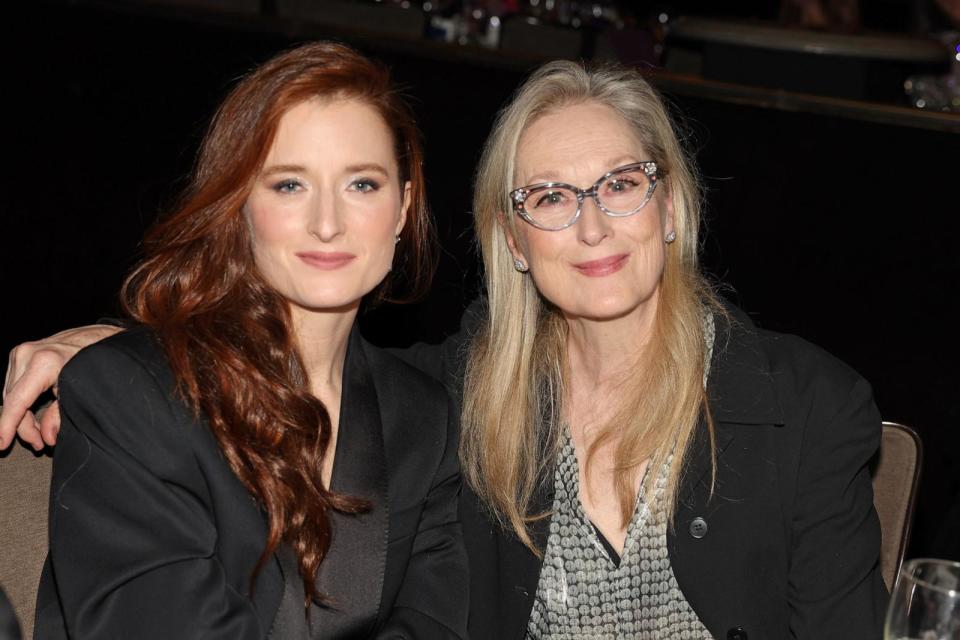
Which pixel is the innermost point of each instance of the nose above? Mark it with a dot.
(593, 225)
(325, 221)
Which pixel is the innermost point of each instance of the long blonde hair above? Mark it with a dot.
(514, 388)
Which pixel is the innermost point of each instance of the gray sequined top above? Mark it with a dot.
(585, 591)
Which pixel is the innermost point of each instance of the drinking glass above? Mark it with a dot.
(925, 604)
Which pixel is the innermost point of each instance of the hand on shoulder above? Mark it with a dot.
(33, 368)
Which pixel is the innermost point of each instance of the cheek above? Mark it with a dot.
(537, 246)
(268, 233)
(651, 263)
(266, 226)
(544, 255)
(378, 231)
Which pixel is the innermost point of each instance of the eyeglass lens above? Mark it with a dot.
(621, 193)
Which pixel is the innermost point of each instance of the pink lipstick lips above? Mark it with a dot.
(603, 266)
(326, 260)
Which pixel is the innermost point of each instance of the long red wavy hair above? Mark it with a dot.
(227, 333)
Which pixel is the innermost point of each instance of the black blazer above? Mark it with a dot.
(788, 544)
(152, 535)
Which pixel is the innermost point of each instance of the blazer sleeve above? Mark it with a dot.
(433, 598)
(132, 541)
(834, 583)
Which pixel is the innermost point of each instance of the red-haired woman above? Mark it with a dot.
(242, 464)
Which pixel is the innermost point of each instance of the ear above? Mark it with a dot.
(512, 243)
(405, 207)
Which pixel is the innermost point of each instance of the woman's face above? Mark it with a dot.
(327, 207)
(601, 267)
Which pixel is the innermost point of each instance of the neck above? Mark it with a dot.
(600, 351)
(322, 337)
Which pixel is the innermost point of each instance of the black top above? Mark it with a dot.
(611, 552)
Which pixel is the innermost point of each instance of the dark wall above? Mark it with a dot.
(838, 230)
(106, 111)
(845, 233)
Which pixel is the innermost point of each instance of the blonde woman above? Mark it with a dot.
(653, 466)
(644, 463)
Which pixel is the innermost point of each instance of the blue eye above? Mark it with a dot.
(288, 185)
(622, 185)
(553, 198)
(365, 185)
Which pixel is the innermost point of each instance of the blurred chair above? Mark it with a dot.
(24, 489)
(896, 473)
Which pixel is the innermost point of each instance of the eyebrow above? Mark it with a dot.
(367, 166)
(283, 168)
(554, 176)
(297, 168)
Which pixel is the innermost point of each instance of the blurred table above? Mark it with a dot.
(856, 66)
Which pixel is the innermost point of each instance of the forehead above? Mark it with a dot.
(577, 140)
(339, 126)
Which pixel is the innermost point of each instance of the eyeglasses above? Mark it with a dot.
(553, 206)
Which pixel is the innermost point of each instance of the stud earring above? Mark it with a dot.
(670, 237)
(396, 240)
(520, 266)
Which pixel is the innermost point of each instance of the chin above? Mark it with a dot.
(328, 306)
(597, 310)
(606, 306)
(328, 295)
(328, 300)
(608, 313)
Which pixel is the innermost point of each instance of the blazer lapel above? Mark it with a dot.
(520, 568)
(351, 575)
(696, 477)
(289, 623)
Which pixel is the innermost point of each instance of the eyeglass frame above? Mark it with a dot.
(519, 195)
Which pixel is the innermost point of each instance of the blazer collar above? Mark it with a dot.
(740, 385)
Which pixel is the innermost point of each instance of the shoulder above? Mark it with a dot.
(415, 409)
(792, 369)
(805, 365)
(395, 374)
(809, 380)
(135, 348)
(121, 394)
(123, 384)
(131, 357)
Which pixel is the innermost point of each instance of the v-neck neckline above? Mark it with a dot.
(638, 518)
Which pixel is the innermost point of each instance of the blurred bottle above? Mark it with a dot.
(442, 19)
(483, 20)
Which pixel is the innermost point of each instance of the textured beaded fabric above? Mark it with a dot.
(584, 594)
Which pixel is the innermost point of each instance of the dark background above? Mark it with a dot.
(839, 230)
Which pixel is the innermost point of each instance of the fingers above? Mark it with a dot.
(32, 369)
(29, 432)
(24, 384)
(50, 423)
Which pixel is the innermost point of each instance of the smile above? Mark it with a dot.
(603, 266)
(326, 260)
